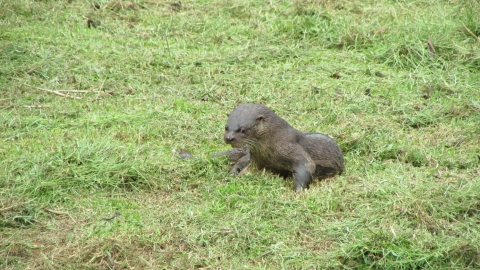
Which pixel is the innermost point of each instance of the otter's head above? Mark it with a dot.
(244, 124)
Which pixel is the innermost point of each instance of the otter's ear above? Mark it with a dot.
(260, 117)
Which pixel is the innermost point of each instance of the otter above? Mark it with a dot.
(259, 136)
(241, 157)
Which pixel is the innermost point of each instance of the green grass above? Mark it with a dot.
(161, 76)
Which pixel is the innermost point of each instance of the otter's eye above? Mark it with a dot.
(226, 128)
(241, 130)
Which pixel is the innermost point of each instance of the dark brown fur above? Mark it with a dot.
(259, 135)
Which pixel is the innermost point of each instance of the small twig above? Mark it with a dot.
(7, 208)
(13, 206)
(112, 217)
(100, 88)
(223, 231)
(32, 70)
(55, 92)
(266, 253)
(39, 222)
(35, 107)
(171, 89)
(393, 232)
(80, 91)
(57, 212)
(430, 46)
(456, 143)
(61, 213)
(25, 107)
(475, 105)
(58, 93)
(471, 33)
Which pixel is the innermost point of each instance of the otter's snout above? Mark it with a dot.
(228, 138)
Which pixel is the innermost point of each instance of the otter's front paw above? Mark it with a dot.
(239, 168)
(235, 170)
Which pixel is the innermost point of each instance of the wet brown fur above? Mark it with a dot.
(260, 136)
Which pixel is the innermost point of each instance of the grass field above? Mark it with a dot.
(96, 96)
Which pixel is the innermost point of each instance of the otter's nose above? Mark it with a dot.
(228, 138)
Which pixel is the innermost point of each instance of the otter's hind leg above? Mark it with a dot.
(325, 152)
(303, 171)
